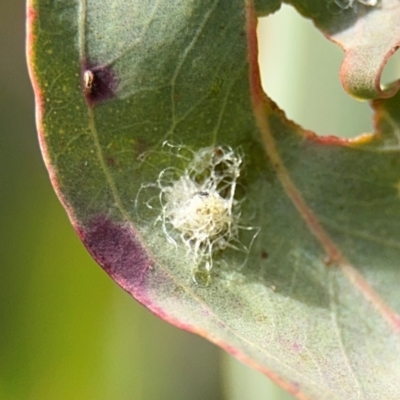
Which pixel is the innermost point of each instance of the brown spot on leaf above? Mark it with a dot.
(264, 255)
(110, 161)
(99, 83)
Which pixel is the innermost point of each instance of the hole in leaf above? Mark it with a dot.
(391, 72)
(300, 72)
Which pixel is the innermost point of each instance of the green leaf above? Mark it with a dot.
(369, 33)
(314, 304)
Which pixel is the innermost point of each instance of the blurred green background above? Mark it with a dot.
(66, 330)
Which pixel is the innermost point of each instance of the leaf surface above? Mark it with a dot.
(369, 33)
(315, 303)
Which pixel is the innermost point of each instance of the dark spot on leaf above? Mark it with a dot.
(264, 255)
(178, 291)
(118, 251)
(110, 161)
(99, 83)
(261, 318)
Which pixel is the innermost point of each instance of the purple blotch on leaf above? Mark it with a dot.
(117, 249)
(99, 83)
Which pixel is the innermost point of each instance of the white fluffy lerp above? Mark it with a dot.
(200, 205)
